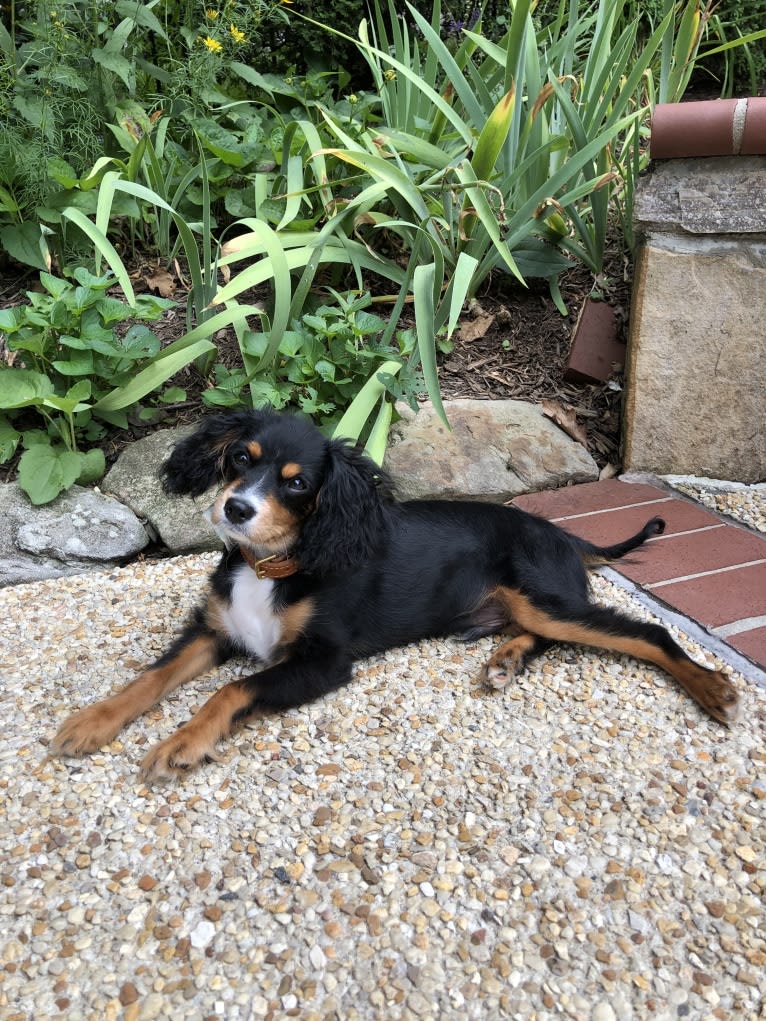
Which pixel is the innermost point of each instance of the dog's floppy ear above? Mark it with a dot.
(350, 519)
(198, 461)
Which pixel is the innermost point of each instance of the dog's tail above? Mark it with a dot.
(597, 556)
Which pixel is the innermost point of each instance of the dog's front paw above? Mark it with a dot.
(87, 730)
(177, 754)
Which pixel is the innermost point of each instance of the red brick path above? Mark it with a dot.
(702, 566)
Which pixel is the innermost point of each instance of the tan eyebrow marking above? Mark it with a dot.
(255, 449)
(290, 470)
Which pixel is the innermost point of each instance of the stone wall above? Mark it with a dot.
(695, 399)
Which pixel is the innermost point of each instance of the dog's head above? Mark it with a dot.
(286, 488)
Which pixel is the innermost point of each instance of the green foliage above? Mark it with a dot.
(322, 363)
(478, 162)
(70, 348)
(482, 149)
(727, 61)
(304, 47)
(68, 70)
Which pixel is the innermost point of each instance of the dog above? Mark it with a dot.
(323, 567)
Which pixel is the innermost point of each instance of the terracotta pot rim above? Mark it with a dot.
(709, 127)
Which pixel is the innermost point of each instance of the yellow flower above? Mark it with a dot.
(237, 35)
(211, 14)
(212, 44)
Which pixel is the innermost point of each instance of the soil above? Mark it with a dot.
(513, 343)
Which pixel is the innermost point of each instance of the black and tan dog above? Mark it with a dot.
(323, 566)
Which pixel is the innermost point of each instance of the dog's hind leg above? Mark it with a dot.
(604, 628)
(196, 651)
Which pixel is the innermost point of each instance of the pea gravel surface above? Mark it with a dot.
(586, 844)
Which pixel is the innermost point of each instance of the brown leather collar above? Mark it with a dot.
(278, 565)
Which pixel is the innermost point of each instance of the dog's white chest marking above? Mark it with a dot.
(249, 620)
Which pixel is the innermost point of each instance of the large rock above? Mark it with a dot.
(495, 450)
(177, 521)
(81, 529)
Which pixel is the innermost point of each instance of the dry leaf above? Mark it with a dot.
(161, 282)
(475, 329)
(566, 419)
(609, 471)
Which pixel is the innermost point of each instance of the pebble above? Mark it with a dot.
(603, 1012)
(202, 934)
(585, 845)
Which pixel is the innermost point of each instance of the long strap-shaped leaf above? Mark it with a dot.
(360, 409)
(432, 95)
(105, 247)
(424, 284)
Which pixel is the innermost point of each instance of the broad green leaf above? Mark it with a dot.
(45, 471)
(25, 242)
(79, 364)
(65, 405)
(9, 440)
(117, 64)
(55, 286)
(22, 388)
(33, 109)
(10, 319)
(142, 15)
(164, 367)
(222, 143)
(92, 467)
(8, 203)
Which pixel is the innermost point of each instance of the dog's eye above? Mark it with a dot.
(240, 459)
(297, 485)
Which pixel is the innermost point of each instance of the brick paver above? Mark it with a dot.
(702, 566)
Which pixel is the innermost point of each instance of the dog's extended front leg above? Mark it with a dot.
(284, 686)
(196, 651)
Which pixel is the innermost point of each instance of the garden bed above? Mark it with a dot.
(513, 344)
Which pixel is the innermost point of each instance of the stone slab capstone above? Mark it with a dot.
(177, 521)
(710, 196)
(78, 531)
(495, 450)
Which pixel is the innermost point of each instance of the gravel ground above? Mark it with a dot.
(585, 845)
(743, 503)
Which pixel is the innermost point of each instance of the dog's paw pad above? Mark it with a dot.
(497, 676)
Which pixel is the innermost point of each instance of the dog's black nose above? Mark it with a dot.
(238, 511)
